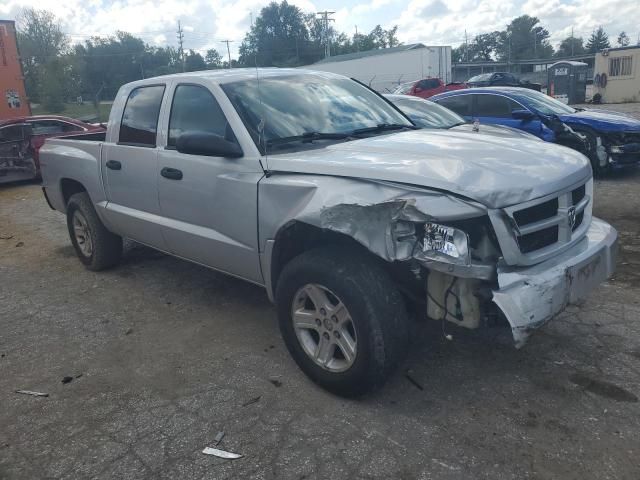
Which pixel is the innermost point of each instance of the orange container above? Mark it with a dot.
(13, 97)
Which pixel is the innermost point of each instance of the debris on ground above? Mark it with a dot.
(251, 401)
(275, 380)
(129, 331)
(219, 437)
(6, 237)
(221, 453)
(67, 379)
(32, 393)
(413, 381)
(20, 244)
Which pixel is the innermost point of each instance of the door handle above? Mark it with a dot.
(114, 165)
(171, 173)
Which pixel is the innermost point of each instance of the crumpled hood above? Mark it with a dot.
(602, 120)
(492, 170)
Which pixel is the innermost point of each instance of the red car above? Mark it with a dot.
(427, 87)
(22, 137)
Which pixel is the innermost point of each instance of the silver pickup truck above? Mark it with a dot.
(317, 188)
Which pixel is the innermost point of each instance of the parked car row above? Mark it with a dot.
(21, 139)
(609, 139)
(354, 216)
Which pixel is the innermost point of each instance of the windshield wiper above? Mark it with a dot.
(307, 137)
(382, 127)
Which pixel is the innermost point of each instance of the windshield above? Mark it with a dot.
(299, 105)
(545, 104)
(428, 114)
(480, 78)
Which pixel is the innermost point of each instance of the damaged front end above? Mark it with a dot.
(469, 264)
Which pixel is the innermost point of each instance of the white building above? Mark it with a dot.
(386, 68)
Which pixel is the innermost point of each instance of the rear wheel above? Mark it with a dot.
(96, 247)
(342, 319)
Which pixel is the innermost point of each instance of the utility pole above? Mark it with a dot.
(358, 40)
(228, 50)
(180, 43)
(326, 16)
(466, 46)
(572, 41)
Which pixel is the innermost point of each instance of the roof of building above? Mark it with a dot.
(615, 49)
(370, 53)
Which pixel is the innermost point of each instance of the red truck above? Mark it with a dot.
(427, 87)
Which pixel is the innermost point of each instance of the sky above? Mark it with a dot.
(433, 22)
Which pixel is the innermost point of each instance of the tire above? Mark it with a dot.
(375, 319)
(96, 247)
(596, 164)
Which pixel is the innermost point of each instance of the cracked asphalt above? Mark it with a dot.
(164, 354)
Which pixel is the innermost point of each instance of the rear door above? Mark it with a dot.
(130, 165)
(497, 110)
(209, 204)
(461, 104)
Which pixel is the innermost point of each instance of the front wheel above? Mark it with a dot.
(597, 153)
(96, 247)
(342, 319)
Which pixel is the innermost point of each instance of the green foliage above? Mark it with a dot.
(599, 40)
(40, 40)
(194, 62)
(523, 39)
(623, 39)
(213, 59)
(570, 46)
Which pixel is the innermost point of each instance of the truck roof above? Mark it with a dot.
(237, 74)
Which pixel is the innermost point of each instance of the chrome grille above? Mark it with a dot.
(533, 231)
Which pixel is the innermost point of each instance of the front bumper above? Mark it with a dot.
(624, 155)
(530, 297)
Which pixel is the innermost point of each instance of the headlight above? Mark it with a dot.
(446, 243)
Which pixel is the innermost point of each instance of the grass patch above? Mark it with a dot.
(74, 110)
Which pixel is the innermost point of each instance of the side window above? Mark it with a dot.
(47, 127)
(461, 104)
(194, 108)
(493, 106)
(432, 83)
(140, 118)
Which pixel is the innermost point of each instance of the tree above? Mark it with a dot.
(40, 39)
(213, 59)
(193, 62)
(623, 39)
(483, 47)
(599, 40)
(524, 39)
(570, 46)
(275, 37)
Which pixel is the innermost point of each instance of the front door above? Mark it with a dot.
(209, 204)
(497, 110)
(130, 169)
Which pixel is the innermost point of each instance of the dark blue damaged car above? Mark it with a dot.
(611, 140)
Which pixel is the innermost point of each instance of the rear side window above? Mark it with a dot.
(140, 118)
(195, 109)
(494, 106)
(52, 127)
(461, 104)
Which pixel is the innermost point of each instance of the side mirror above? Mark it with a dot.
(525, 115)
(209, 144)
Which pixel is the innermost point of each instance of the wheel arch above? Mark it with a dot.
(297, 237)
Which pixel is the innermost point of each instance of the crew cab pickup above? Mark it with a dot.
(317, 188)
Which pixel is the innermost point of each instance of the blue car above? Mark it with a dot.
(609, 139)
